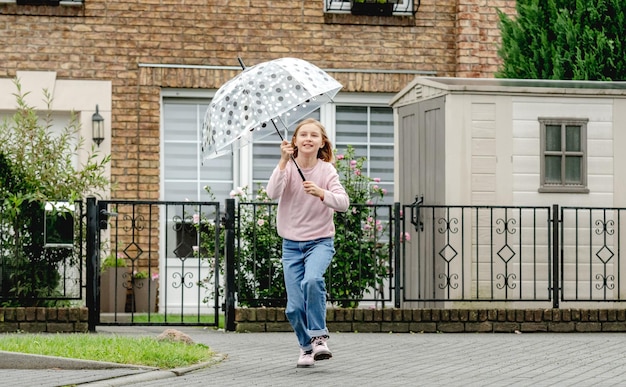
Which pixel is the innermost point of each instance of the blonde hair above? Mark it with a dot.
(325, 152)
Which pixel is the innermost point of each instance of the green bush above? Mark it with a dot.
(564, 39)
(37, 166)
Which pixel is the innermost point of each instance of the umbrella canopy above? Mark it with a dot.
(263, 99)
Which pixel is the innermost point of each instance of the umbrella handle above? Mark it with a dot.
(298, 168)
(292, 158)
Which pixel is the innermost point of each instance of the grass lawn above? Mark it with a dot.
(146, 351)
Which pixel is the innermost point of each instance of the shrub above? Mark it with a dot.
(37, 166)
(361, 262)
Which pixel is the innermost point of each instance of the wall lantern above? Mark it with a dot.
(97, 127)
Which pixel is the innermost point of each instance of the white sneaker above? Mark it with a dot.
(320, 348)
(306, 359)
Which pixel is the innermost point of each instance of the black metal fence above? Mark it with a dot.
(192, 262)
(166, 259)
(478, 253)
(591, 243)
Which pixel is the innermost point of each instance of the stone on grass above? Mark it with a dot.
(174, 336)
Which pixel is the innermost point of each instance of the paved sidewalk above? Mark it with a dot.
(371, 359)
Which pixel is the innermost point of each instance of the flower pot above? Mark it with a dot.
(144, 295)
(113, 289)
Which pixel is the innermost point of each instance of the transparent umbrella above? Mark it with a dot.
(265, 98)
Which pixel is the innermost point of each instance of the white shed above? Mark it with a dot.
(492, 141)
(495, 144)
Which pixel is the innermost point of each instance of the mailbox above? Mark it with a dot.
(59, 224)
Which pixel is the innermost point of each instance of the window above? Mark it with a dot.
(399, 7)
(358, 119)
(563, 155)
(369, 130)
(184, 175)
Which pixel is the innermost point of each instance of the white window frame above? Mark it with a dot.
(243, 162)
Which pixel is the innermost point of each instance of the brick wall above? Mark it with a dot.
(52, 320)
(478, 36)
(443, 320)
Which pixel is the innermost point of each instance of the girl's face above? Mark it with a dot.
(309, 140)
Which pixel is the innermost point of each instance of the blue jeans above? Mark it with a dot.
(304, 265)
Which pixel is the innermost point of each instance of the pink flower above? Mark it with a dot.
(384, 191)
(375, 186)
(195, 249)
(353, 162)
(196, 218)
(260, 222)
(155, 276)
(377, 179)
(357, 172)
(405, 237)
(340, 157)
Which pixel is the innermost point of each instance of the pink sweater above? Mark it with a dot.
(304, 217)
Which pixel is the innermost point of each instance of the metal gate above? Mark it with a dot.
(155, 262)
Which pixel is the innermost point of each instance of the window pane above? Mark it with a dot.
(382, 163)
(573, 170)
(572, 138)
(351, 124)
(381, 125)
(182, 190)
(219, 168)
(181, 160)
(181, 121)
(266, 156)
(553, 137)
(184, 173)
(553, 169)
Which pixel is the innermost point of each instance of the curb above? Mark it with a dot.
(156, 374)
(27, 361)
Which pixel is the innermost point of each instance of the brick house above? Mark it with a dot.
(151, 67)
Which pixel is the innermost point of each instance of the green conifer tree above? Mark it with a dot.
(564, 39)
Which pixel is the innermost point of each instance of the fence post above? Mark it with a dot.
(555, 256)
(229, 240)
(396, 254)
(91, 261)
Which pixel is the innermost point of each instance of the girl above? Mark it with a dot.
(305, 222)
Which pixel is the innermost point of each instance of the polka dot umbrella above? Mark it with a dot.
(266, 98)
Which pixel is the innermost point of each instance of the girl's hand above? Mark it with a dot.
(286, 150)
(312, 189)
